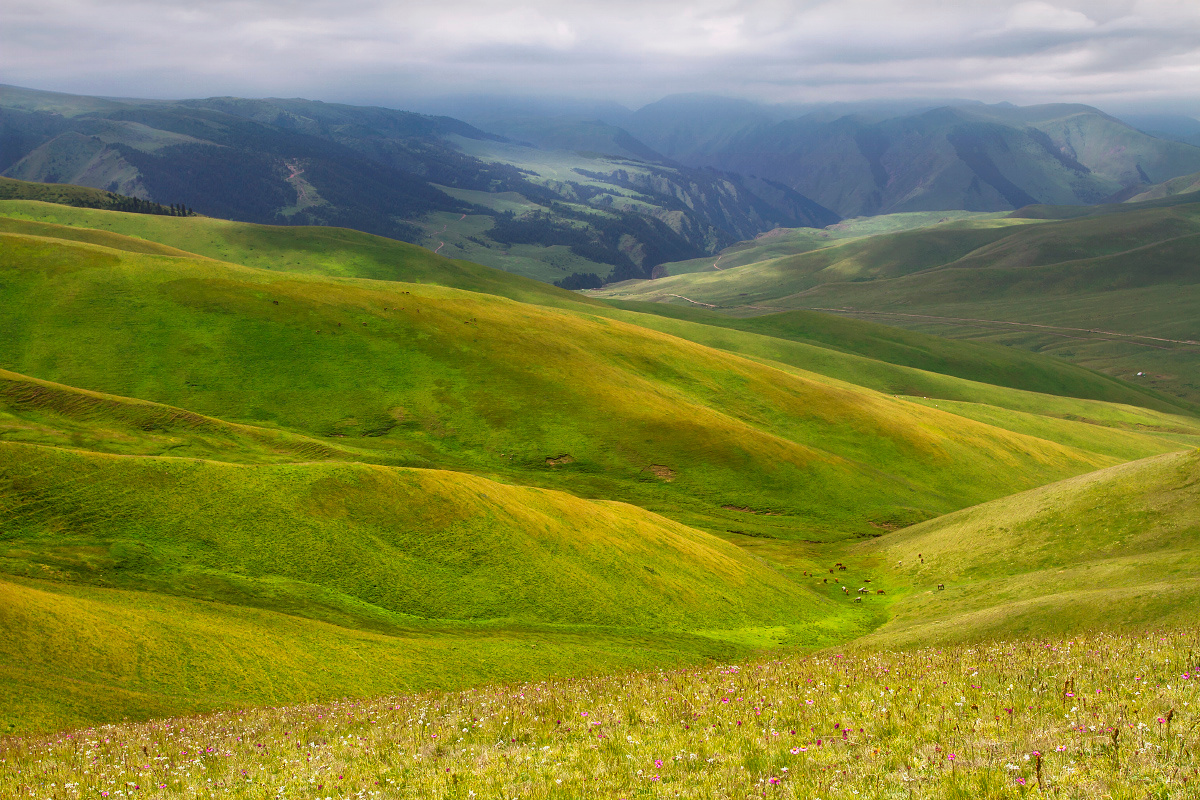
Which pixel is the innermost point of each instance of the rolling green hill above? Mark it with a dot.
(409, 472)
(793, 241)
(1184, 184)
(1115, 549)
(1112, 290)
(429, 376)
(351, 254)
(320, 250)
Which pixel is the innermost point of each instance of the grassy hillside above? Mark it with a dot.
(351, 254)
(1184, 184)
(865, 259)
(792, 241)
(438, 377)
(352, 449)
(1118, 548)
(74, 656)
(1093, 716)
(1111, 291)
(317, 250)
(351, 540)
(981, 362)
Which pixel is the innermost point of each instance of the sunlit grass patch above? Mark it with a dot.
(1094, 716)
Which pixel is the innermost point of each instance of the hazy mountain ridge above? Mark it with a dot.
(383, 171)
(962, 156)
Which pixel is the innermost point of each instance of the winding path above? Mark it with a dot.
(442, 244)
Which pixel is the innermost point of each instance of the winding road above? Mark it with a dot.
(442, 244)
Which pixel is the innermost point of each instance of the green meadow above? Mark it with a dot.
(1110, 288)
(251, 466)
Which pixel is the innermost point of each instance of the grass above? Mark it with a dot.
(793, 241)
(336, 252)
(357, 468)
(429, 376)
(1099, 715)
(75, 655)
(365, 544)
(1110, 290)
(979, 362)
(1118, 547)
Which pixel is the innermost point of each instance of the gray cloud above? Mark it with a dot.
(1099, 51)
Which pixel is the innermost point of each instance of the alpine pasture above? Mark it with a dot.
(306, 512)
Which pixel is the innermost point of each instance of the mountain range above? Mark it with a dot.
(581, 194)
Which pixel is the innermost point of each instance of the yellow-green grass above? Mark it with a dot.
(359, 541)
(977, 362)
(1118, 549)
(303, 249)
(862, 259)
(1114, 292)
(782, 242)
(432, 376)
(46, 413)
(348, 253)
(73, 655)
(1094, 716)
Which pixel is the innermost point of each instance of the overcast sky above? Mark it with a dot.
(1110, 53)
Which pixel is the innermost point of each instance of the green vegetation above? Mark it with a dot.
(348, 540)
(77, 656)
(83, 197)
(1112, 290)
(1118, 548)
(792, 241)
(980, 362)
(1096, 716)
(245, 465)
(335, 252)
(429, 376)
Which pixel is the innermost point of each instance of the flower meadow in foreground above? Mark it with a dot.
(1094, 716)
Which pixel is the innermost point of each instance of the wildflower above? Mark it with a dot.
(658, 763)
(774, 780)
(795, 751)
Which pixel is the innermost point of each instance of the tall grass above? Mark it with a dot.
(1097, 715)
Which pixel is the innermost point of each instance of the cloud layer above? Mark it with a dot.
(1103, 52)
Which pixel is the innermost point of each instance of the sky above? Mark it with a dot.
(1126, 54)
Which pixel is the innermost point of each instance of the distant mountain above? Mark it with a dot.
(565, 133)
(1175, 127)
(607, 205)
(1184, 184)
(964, 156)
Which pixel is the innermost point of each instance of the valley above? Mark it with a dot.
(259, 471)
(573, 401)
(321, 441)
